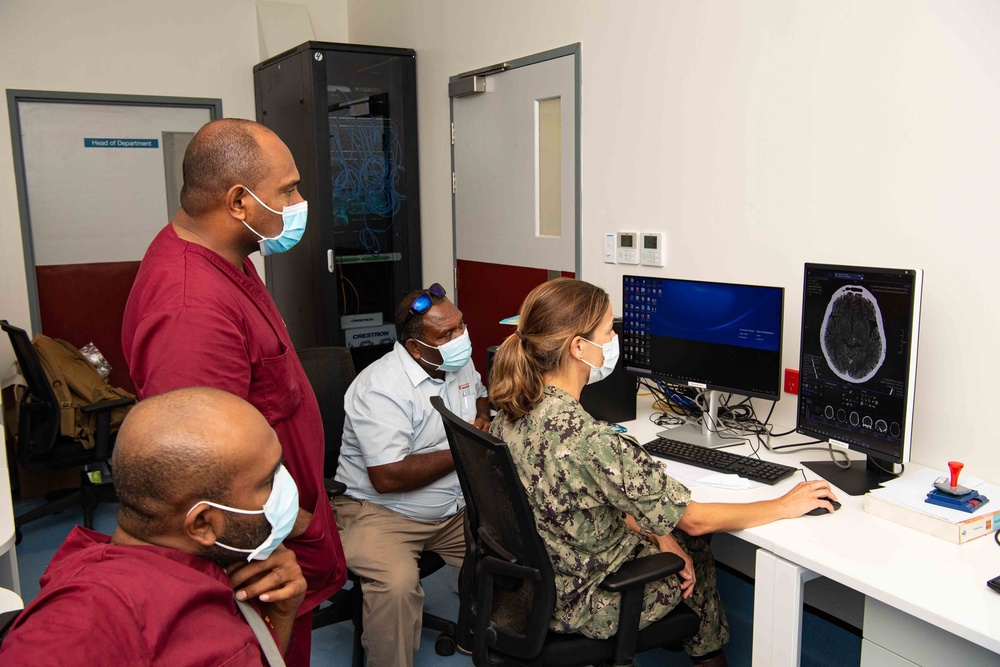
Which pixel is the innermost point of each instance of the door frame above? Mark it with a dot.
(14, 98)
(573, 50)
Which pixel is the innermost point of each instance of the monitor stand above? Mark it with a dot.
(705, 432)
(854, 481)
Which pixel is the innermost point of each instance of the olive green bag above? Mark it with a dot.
(77, 384)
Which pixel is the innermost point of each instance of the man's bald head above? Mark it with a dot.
(177, 448)
(221, 154)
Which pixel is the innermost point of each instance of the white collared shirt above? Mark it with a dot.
(388, 416)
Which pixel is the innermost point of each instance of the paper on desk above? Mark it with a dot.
(910, 490)
(685, 473)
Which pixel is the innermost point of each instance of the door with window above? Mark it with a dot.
(515, 186)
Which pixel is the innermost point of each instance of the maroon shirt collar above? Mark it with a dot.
(81, 539)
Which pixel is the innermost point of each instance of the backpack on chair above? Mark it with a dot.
(77, 384)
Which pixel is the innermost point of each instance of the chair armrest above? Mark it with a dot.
(107, 405)
(334, 488)
(493, 565)
(641, 571)
(102, 437)
(630, 580)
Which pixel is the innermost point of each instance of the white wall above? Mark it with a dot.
(184, 48)
(761, 135)
(756, 135)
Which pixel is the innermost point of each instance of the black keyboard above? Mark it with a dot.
(719, 460)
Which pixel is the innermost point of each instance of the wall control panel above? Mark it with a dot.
(628, 248)
(651, 248)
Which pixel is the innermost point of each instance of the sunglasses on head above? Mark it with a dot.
(423, 302)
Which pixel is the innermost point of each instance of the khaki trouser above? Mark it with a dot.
(382, 548)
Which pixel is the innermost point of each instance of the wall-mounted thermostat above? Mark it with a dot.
(628, 248)
(652, 248)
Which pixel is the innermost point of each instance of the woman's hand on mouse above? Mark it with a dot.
(806, 496)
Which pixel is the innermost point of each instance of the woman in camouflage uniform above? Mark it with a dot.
(599, 500)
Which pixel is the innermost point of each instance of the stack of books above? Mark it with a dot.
(902, 501)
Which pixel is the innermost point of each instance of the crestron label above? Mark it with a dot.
(363, 337)
(120, 143)
(360, 320)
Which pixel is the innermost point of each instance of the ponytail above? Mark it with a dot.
(551, 316)
(515, 381)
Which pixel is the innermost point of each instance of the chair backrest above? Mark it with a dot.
(31, 367)
(39, 407)
(330, 371)
(503, 526)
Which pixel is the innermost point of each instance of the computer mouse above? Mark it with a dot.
(822, 510)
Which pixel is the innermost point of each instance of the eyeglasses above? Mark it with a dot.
(423, 302)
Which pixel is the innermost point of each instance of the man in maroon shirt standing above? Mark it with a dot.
(199, 315)
(193, 470)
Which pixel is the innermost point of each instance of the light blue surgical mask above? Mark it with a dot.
(280, 510)
(610, 351)
(455, 354)
(294, 220)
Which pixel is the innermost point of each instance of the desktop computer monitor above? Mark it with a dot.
(857, 367)
(717, 337)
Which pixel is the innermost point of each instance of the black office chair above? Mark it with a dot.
(330, 371)
(514, 582)
(40, 445)
(7, 620)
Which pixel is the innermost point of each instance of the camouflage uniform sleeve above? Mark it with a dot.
(634, 482)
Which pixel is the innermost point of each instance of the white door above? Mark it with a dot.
(101, 176)
(516, 186)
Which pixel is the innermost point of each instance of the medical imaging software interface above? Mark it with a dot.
(716, 335)
(857, 333)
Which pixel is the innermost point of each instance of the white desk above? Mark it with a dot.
(898, 569)
(10, 584)
(8, 555)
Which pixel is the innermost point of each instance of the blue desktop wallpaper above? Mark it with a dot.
(741, 315)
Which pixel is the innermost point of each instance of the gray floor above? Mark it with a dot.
(824, 644)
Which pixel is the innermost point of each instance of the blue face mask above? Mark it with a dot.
(294, 220)
(280, 510)
(455, 354)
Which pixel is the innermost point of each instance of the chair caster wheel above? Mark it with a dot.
(444, 645)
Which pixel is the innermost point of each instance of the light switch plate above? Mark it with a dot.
(652, 248)
(609, 249)
(628, 248)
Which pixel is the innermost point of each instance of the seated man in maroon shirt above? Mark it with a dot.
(193, 469)
(199, 315)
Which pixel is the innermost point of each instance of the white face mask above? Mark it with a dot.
(610, 350)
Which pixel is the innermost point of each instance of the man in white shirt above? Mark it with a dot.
(403, 496)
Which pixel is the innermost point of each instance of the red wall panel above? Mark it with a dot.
(487, 293)
(84, 303)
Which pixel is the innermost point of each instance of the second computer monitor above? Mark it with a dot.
(858, 357)
(713, 336)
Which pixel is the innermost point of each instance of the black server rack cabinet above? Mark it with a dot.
(348, 114)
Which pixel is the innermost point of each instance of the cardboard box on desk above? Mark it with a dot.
(959, 531)
(365, 336)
